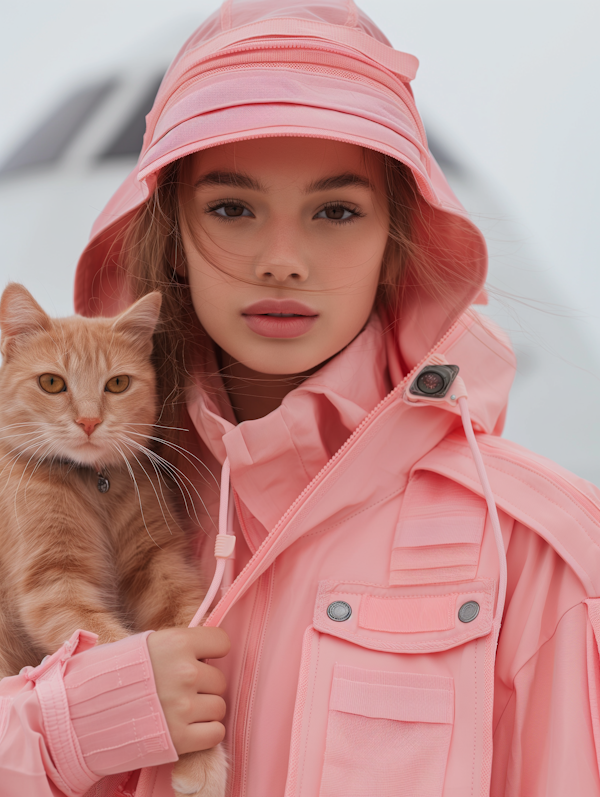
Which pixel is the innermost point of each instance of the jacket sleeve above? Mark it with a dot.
(84, 713)
(547, 693)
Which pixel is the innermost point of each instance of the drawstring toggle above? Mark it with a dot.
(224, 546)
(436, 381)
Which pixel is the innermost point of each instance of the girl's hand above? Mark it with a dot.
(189, 690)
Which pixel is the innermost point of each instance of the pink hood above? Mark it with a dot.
(261, 68)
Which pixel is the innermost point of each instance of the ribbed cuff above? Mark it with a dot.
(114, 708)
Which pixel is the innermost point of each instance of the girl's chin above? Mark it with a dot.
(281, 360)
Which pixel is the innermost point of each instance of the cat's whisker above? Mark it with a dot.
(20, 434)
(19, 446)
(160, 471)
(53, 460)
(13, 459)
(32, 474)
(41, 445)
(158, 426)
(16, 457)
(161, 480)
(152, 485)
(41, 460)
(167, 442)
(186, 454)
(137, 490)
(20, 423)
(167, 466)
(171, 471)
(178, 476)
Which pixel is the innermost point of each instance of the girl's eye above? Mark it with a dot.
(117, 384)
(336, 213)
(52, 383)
(230, 210)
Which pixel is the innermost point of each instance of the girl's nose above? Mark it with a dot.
(281, 272)
(281, 262)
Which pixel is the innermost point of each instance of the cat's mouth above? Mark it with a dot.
(94, 453)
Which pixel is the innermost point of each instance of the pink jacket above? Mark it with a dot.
(383, 642)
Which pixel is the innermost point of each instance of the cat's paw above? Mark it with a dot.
(202, 774)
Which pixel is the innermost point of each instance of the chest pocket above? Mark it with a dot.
(439, 532)
(392, 700)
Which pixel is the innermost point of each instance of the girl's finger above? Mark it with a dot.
(207, 643)
(210, 680)
(207, 708)
(200, 736)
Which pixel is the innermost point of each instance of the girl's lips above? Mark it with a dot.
(279, 318)
(270, 326)
(287, 306)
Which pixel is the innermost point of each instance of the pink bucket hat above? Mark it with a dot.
(261, 68)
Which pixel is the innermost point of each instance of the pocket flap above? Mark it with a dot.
(408, 615)
(439, 532)
(405, 619)
(406, 697)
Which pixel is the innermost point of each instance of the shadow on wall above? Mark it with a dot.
(46, 145)
(51, 139)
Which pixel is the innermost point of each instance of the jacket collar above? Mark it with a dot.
(273, 458)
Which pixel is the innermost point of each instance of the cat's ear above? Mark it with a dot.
(20, 315)
(139, 321)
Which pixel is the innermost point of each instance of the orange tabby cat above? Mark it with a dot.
(89, 537)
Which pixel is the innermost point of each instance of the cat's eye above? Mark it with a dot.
(117, 384)
(52, 383)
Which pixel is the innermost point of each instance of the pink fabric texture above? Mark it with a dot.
(114, 709)
(347, 495)
(402, 720)
(84, 713)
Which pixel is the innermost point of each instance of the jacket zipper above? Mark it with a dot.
(241, 734)
(241, 731)
(250, 667)
(218, 613)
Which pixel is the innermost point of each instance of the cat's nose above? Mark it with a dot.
(88, 424)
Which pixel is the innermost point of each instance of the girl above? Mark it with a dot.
(412, 608)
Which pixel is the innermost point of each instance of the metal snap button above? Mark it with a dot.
(468, 611)
(339, 611)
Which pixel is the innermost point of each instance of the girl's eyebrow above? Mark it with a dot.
(234, 179)
(339, 181)
(241, 180)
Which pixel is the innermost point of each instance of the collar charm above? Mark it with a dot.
(103, 484)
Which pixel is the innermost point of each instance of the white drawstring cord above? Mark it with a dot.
(224, 543)
(224, 547)
(229, 562)
(489, 497)
(458, 396)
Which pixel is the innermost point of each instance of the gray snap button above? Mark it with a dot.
(468, 611)
(339, 611)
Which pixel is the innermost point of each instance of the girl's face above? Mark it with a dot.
(284, 248)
